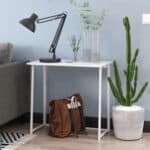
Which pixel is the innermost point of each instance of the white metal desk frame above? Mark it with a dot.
(99, 66)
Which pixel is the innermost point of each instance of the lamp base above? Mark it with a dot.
(50, 60)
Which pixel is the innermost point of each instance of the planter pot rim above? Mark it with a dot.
(128, 108)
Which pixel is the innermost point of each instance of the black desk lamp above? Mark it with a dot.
(29, 23)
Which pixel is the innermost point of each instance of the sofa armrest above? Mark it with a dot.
(14, 90)
(12, 64)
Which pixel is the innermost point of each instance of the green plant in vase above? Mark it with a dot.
(89, 19)
(128, 118)
(92, 23)
(75, 45)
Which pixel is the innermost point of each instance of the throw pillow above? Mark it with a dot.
(5, 53)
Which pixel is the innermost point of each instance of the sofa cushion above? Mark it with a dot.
(5, 53)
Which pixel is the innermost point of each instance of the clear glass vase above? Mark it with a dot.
(75, 56)
(91, 46)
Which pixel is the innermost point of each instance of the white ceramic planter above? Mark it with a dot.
(128, 122)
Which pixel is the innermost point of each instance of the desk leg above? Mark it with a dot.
(44, 93)
(108, 99)
(99, 102)
(32, 99)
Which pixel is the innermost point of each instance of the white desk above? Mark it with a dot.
(100, 66)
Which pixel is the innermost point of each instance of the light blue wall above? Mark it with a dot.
(28, 46)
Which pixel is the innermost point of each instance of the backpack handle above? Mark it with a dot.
(73, 103)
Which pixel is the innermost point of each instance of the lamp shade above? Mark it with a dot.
(29, 23)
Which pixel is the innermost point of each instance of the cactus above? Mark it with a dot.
(131, 74)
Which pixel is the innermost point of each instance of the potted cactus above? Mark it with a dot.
(128, 119)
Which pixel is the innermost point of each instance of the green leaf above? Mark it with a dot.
(85, 4)
(71, 1)
(117, 79)
(82, 15)
(140, 93)
(128, 39)
(128, 86)
(135, 81)
(135, 56)
(115, 91)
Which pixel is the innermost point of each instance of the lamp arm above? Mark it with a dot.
(61, 16)
(50, 18)
(57, 35)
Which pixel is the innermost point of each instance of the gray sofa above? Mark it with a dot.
(14, 91)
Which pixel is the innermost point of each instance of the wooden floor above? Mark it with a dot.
(44, 142)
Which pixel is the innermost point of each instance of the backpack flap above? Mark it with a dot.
(59, 119)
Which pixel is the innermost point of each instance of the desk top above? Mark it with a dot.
(79, 64)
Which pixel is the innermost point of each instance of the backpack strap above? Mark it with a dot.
(73, 105)
(83, 128)
(73, 123)
(80, 107)
(76, 104)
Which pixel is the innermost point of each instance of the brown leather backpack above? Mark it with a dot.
(66, 118)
